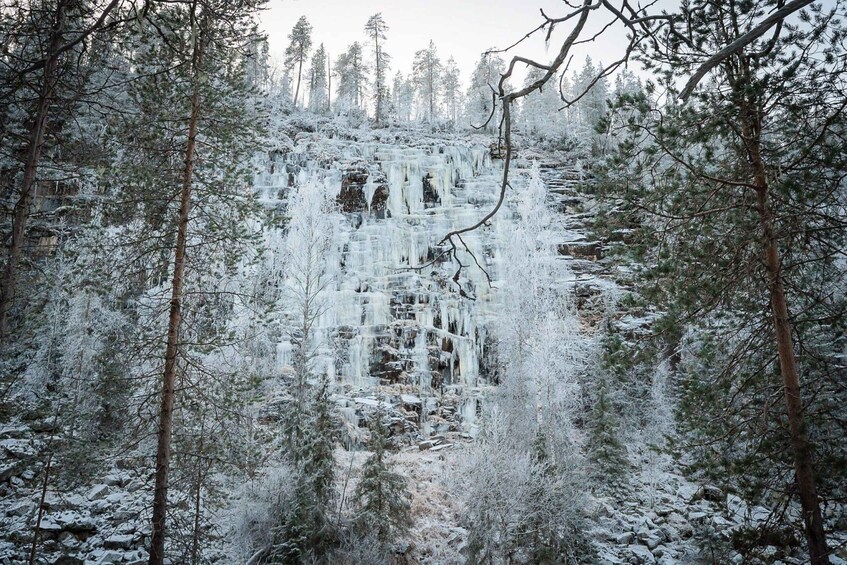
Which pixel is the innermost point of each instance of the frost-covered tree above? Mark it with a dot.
(426, 76)
(44, 83)
(519, 505)
(539, 114)
(452, 91)
(382, 496)
(308, 249)
(351, 71)
(403, 96)
(318, 84)
(529, 441)
(539, 338)
(591, 107)
(305, 530)
(375, 29)
(480, 103)
(297, 52)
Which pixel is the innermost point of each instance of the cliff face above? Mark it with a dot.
(392, 314)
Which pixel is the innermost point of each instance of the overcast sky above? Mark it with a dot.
(461, 28)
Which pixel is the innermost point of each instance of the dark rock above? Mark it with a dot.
(710, 493)
(351, 197)
(68, 560)
(586, 250)
(379, 203)
(430, 195)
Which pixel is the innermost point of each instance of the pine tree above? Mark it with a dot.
(738, 179)
(481, 104)
(299, 46)
(426, 76)
(318, 87)
(375, 28)
(188, 171)
(351, 71)
(452, 90)
(403, 97)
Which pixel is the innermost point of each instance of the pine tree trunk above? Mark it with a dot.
(33, 157)
(198, 491)
(165, 431)
(299, 75)
(431, 93)
(800, 448)
(328, 83)
(378, 81)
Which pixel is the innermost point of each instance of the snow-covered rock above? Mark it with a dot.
(98, 492)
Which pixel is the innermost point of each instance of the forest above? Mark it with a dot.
(328, 309)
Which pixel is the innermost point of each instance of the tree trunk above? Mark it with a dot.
(165, 431)
(800, 448)
(198, 491)
(33, 157)
(299, 75)
(378, 80)
(431, 93)
(35, 531)
(328, 83)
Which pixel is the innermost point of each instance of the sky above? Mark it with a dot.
(461, 28)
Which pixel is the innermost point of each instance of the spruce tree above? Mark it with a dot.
(606, 453)
(382, 495)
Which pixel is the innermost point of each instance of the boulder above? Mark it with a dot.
(119, 541)
(625, 538)
(98, 492)
(106, 557)
(22, 508)
(642, 555)
(68, 560)
(73, 521)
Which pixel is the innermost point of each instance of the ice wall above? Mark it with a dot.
(395, 315)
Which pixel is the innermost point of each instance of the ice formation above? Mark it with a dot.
(394, 313)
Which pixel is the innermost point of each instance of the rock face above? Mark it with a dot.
(351, 197)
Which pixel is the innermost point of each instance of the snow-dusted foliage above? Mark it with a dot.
(524, 490)
(310, 262)
(521, 504)
(540, 344)
(263, 504)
